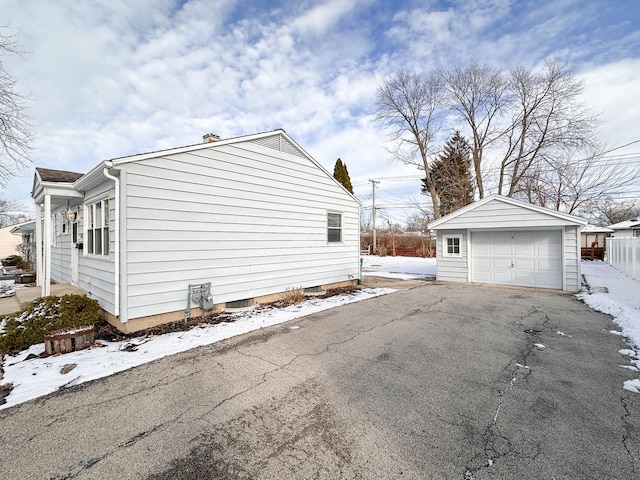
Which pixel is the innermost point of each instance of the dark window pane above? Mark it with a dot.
(89, 241)
(98, 243)
(106, 241)
(335, 235)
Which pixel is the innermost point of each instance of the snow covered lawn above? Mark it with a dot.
(406, 268)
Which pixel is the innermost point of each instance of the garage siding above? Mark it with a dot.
(572, 258)
(452, 269)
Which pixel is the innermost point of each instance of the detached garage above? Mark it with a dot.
(508, 242)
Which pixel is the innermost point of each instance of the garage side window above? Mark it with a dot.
(452, 245)
(334, 227)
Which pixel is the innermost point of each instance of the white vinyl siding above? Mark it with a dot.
(96, 272)
(572, 258)
(61, 250)
(452, 268)
(247, 217)
(498, 214)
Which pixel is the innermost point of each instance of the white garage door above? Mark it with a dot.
(524, 258)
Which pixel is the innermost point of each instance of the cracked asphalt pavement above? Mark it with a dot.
(438, 381)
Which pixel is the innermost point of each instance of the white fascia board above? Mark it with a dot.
(55, 189)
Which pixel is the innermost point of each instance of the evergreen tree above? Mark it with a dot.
(451, 174)
(341, 174)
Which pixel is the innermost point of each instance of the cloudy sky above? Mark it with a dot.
(114, 78)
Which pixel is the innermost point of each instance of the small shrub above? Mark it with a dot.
(11, 260)
(44, 315)
(292, 296)
(16, 261)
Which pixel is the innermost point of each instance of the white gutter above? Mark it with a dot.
(116, 253)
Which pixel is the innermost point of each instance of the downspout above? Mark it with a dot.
(116, 253)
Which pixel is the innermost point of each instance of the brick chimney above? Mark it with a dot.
(210, 138)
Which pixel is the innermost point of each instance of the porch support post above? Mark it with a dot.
(38, 241)
(46, 281)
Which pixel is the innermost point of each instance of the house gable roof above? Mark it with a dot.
(275, 139)
(485, 214)
(50, 175)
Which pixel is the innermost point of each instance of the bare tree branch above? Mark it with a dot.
(410, 107)
(15, 128)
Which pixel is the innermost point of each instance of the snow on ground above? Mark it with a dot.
(618, 295)
(406, 268)
(40, 376)
(8, 288)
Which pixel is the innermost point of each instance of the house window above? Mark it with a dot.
(334, 227)
(452, 246)
(636, 233)
(98, 228)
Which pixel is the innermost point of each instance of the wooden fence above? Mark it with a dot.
(623, 254)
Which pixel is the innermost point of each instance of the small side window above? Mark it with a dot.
(334, 227)
(452, 246)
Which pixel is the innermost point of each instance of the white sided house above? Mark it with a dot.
(253, 216)
(504, 241)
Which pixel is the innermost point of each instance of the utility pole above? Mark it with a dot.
(373, 212)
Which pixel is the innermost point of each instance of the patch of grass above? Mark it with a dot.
(44, 315)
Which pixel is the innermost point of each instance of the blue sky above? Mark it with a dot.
(109, 79)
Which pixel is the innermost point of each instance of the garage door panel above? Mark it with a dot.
(525, 258)
(524, 250)
(501, 277)
(501, 263)
(549, 250)
(549, 265)
(500, 249)
(524, 264)
(525, 279)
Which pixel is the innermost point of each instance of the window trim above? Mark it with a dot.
(445, 246)
(338, 229)
(90, 211)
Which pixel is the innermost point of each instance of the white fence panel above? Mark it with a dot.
(624, 255)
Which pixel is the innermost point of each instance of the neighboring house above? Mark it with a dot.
(628, 228)
(592, 241)
(9, 243)
(255, 216)
(27, 244)
(508, 242)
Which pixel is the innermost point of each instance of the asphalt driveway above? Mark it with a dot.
(438, 381)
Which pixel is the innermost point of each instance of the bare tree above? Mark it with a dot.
(548, 122)
(410, 105)
(607, 211)
(10, 212)
(478, 94)
(15, 136)
(569, 184)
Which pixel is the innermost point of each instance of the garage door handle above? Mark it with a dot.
(512, 265)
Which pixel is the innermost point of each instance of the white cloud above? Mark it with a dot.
(118, 78)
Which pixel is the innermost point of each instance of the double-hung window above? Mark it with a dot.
(97, 220)
(334, 227)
